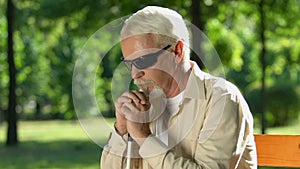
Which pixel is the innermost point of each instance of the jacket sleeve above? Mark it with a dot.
(113, 152)
(220, 133)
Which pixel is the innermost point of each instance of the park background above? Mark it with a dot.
(258, 42)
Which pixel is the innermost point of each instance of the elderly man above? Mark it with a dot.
(181, 117)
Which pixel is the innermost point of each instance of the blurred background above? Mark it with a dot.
(258, 42)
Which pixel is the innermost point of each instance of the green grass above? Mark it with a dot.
(64, 145)
(50, 144)
(292, 129)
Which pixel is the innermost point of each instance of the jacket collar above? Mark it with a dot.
(195, 87)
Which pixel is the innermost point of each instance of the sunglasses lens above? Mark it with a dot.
(146, 61)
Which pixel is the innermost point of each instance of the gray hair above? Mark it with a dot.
(167, 26)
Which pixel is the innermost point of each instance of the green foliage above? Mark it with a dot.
(3, 62)
(283, 110)
(51, 33)
(282, 104)
(228, 44)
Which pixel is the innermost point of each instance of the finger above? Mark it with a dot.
(124, 99)
(142, 97)
(132, 96)
(133, 114)
(126, 110)
(141, 107)
(129, 108)
(137, 107)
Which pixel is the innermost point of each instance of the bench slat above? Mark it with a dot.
(278, 150)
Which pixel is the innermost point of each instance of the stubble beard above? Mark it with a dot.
(147, 86)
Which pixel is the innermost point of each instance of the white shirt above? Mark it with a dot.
(172, 106)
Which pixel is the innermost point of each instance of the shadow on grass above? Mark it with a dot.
(55, 154)
(62, 154)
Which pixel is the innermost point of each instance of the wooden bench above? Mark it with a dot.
(278, 150)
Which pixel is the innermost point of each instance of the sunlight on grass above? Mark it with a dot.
(64, 144)
(51, 144)
(50, 131)
(293, 129)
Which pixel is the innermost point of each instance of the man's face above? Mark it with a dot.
(159, 75)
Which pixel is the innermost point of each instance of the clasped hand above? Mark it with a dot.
(132, 115)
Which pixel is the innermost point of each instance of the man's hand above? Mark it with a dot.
(121, 121)
(132, 114)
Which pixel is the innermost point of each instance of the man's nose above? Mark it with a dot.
(136, 73)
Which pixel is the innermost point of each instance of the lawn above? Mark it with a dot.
(64, 145)
(50, 144)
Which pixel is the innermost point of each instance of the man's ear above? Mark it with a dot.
(179, 51)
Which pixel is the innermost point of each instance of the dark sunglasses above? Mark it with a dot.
(145, 61)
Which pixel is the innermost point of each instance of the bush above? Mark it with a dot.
(282, 104)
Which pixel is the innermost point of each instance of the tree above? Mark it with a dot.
(3, 63)
(48, 37)
(197, 20)
(12, 138)
(263, 63)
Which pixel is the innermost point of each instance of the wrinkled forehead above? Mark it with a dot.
(137, 44)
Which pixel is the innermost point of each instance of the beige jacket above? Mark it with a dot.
(212, 129)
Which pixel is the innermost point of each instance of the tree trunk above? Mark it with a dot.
(263, 65)
(38, 112)
(197, 20)
(12, 138)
